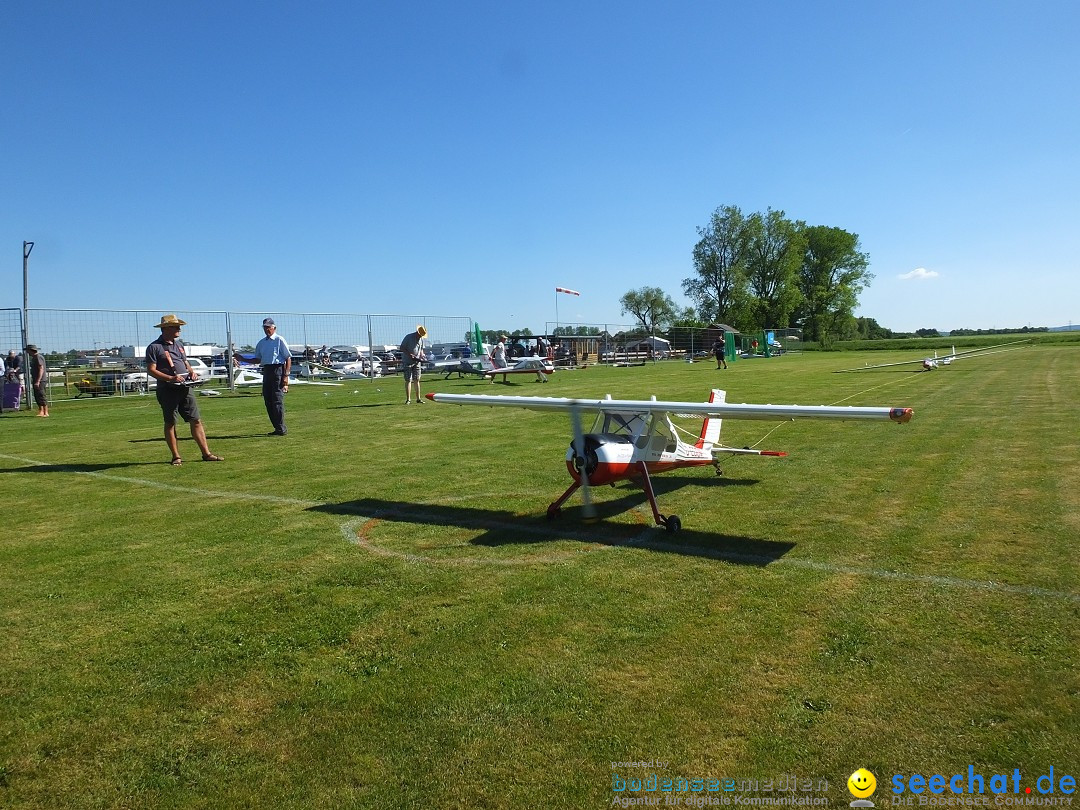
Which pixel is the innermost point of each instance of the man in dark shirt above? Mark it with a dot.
(39, 374)
(167, 363)
(720, 349)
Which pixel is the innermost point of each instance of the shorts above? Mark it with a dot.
(412, 372)
(175, 399)
(39, 395)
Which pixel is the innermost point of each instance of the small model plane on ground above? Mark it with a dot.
(539, 366)
(632, 439)
(931, 363)
(481, 363)
(483, 367)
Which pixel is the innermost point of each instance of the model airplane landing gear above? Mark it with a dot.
(671, 522)
(554, 510)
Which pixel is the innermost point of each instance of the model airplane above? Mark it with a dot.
(246, 378)
(541, 367)
(632, 439)
(481, 363)
(931, 363)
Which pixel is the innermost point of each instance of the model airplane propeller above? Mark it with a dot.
(931, 363)
(632, 439)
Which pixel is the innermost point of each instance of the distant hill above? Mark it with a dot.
(1073, 327)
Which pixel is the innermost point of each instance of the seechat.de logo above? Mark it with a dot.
(974, 782)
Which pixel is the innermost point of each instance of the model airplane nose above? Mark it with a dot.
(901, 415)
(590, 461)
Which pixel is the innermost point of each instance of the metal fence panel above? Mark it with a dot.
(90, 351)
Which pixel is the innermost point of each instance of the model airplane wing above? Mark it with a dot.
(725, 410)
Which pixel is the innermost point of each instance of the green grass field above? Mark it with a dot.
(373, 612)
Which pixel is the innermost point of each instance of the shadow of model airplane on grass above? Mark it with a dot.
(501, 527)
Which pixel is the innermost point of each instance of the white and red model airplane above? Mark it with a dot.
(541, 367)
(931, 363)
(633, 439)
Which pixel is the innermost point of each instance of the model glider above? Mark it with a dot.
(633, 439)
(931, 363)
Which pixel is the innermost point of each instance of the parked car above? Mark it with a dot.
(138, 382)
(199, 367)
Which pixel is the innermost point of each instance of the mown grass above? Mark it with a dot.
(374, 612)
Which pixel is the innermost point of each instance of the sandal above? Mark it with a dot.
(177, 461)
(212, 457)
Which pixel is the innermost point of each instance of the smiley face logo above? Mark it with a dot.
(861, 783)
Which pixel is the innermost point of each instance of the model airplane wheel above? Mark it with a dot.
(672, 523)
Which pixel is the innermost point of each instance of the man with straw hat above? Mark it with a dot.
(412, 356)
(167, 363)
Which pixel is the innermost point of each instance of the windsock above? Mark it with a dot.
(568, 292)
(478, 342)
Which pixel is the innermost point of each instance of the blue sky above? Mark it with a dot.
(464, 158)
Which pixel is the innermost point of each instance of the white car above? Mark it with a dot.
(141, 381)
(137, 382)
(199, 367)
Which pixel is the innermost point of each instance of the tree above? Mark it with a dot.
(719, 286)
(492, 335)
(870, 329)
(576, 331)
(833, 273)
(688, 319)
(775, 250)
(652, 307)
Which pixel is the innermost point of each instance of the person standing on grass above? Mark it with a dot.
(13, 365)
(412, 358)
(39, 373)
(167, 363)
(276, 359)
(719, 348)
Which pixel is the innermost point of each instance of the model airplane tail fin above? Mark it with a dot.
(710, 428)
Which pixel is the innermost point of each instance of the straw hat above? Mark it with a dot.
(170, 320)
(421, 331)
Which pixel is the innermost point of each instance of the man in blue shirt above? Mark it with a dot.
(276, 360)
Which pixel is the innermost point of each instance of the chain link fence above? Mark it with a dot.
(622, 343)
(92, 353)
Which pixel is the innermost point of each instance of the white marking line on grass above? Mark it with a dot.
(830, 568)
(243, 496)
(353, 533)
(912, 378)
(642, 540)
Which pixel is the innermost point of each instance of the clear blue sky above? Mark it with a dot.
(464, 158)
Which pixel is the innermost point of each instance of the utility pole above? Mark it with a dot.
(26, 248)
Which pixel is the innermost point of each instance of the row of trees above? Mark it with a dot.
(764, 270)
